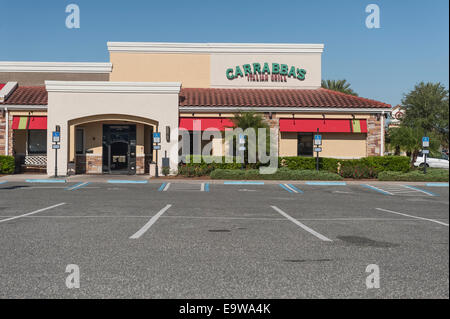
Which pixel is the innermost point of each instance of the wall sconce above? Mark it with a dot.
(270, 115)
(168, 134)
(353, 116)
(323, 116)
(378, 116)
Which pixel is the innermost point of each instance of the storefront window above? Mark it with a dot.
(37, 141)
(79, 141)
(305, 144)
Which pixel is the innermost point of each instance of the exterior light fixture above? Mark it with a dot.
(168, 134)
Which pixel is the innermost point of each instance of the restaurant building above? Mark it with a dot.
(107, 112)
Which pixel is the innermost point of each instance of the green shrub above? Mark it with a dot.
(388, 163)
(200, 166)
(7, 164)
(357, 171)
(432, 175)
(281, 174)
(308, 163)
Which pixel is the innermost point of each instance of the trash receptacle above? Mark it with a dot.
(152, 169)
(71, 168)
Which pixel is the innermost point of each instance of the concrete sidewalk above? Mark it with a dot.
(106, 178)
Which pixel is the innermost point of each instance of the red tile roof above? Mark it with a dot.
(28, 95)
(37, 95)
(274, 98)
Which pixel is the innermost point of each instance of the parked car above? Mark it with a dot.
(432, 161)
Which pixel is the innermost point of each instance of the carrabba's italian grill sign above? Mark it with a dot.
(265, 72)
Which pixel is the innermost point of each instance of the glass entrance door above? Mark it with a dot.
(119, 149)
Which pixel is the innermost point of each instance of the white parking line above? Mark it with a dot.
(149, 224)
(34, 212)
(166, 187)
(320, 236)
(417, 217)
(202, 187)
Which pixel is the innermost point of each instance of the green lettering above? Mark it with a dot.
(238, 72)
(266, 68)
(275, 68)
(230, 75)
(292, 72)
(284, 69)
(301, 74)
(257, 68)
(247, 69)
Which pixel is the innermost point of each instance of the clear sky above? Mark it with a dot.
(412, 44)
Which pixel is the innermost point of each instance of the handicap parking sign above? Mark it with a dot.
(317, 139)
(56, 136)
(157, 137)
(425, 141)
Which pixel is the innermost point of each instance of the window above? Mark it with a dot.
(79, 141)
(37, 141)
(305, 144)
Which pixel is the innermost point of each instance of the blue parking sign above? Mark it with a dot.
(317, 139)
(56, 137)
(157, 137)
(425, 141)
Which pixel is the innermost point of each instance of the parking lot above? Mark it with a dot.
(199, 239)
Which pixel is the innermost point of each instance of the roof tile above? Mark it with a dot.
(274, 98)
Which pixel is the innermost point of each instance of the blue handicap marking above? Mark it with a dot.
(326, 183)
(206, 187)
(291, 188)
(45, 180)
(162, 187)
(437, 184)
(243, 183)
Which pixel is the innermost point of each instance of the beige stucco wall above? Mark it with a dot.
(209, 69)
(343, 145)
(311, 62)
(193, 70)
(337, 145)
(288, 144)
(66, 106)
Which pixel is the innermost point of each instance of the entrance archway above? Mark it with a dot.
(111, 144)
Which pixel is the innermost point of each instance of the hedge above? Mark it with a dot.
(206, 164)
(281, 174)
(432, 175)
(7, 164)
(367, 167)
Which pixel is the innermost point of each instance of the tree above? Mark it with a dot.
(427, 107)
(245, 120)
(339, 86)
(409, 140)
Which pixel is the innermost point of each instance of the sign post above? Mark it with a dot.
(156, 147)
(317, 147)
(425, 144)
(242, 149)
(56, 139)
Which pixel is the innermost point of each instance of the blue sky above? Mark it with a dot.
(412, 44)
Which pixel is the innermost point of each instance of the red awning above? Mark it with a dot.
(29, 122)
(205, 124)
(324, 125)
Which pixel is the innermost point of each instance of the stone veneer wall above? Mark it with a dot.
(140, 164)
(3, 135)
(89, 164)
(274, 123)
(373, 136)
